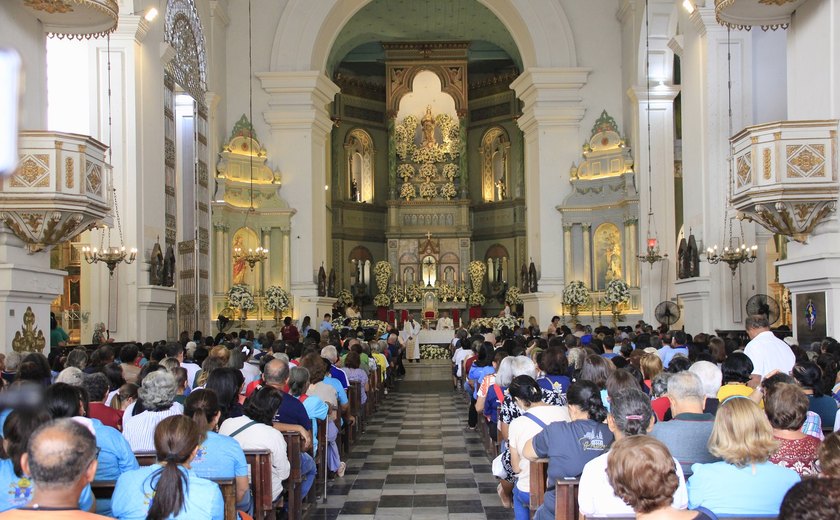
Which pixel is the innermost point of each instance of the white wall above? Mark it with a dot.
(769, 76)
(21, 31)
(812, 62)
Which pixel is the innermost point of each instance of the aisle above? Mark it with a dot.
(416, 460)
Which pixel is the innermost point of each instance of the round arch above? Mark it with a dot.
(307, 31)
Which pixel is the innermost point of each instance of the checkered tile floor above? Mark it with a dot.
(416, 461)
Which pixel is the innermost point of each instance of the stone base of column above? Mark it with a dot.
(153, 304)
(313, 306)
(815, 273)
(542, 305)
(695, 295)
(27, 287)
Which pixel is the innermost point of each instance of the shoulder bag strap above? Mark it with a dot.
(243, 428)
(534, 418)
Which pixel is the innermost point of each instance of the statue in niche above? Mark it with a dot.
(331, 283)
(683, 260)
(613, 253)
(524, 282)
(693, 257)
(354, 191)
(428, 127)
(322, 281)
(532, 277)
(156, 265)
(238, 265)
(169, 267)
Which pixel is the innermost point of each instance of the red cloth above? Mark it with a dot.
(468, 364)
(253, 385)
(109, 416)
(392, 316)
(660, 406)
(403, 315)
(475, 312)
(456, 315)
(382, 313)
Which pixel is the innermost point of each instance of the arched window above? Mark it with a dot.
(361, 265)
(359, 163)
(497, 260)
(495, 165)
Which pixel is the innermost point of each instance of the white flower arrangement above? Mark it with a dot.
(239, 297)
(382, 300)
(428, 190)
(505, 321)
(461, 292)
(404, 136)
(344, 297)
(414, 292)
(476, 299)
(397, 293)
(513, 296)
(382, 270)
(617, 292)
(433, 352)
(448, 191)
(428, 171)
(450, 171)
(575, 293)
(477, 268)
(276, 299)
(380, 326)
(407, 191)
(446, 292)
(431, 154)
(405, 171)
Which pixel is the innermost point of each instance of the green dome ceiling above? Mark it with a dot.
(426, 20)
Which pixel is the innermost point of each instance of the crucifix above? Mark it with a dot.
(429, 236)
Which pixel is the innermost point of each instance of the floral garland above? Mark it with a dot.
(513, 296)
(495, 323)
(407, 191)
(428, 190)
(397, 293)
(239, 297)
(446, 292)
(448, 191)
(382, 270)
(345, 297)
(380, 326)
(476, 299)
(405, 171)
(450, 171)
(404, 136)
(476, 270)
(617, 292)
(276, 299)
(433, 352)
(506, 321)
(461, 292)
(428, 171)
(575, 293)
(414, 292)
(382, 300)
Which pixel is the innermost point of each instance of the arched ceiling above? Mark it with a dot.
(427, 20)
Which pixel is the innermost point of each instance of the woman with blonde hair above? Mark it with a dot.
(744, 482)
(651, 366)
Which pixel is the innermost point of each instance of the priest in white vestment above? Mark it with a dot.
(408, 338)
(445, 322)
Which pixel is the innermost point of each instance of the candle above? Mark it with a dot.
(651, 242)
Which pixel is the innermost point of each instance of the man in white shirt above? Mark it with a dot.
(445, 322)
(766, 351)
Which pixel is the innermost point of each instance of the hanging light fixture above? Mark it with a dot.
(736, 252)
(253, 256)
(652, 254)
(111, 256)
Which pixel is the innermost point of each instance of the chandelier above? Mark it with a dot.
(252, 257)
(652, 254)
(111, 256)
(735, 252)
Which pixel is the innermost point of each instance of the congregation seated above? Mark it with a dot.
(786, 407)
(155, 402)
(315, 407)
(218, 456)
(227, 383)
(254, 430)
(811, 499)
(178, 492)
(60, 459)
(745, 481)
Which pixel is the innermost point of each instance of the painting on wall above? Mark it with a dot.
(244, 239)
(810, 317)
(607, 255)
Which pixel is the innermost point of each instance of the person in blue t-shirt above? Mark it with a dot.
(218, 456)
(554, 366)
(18, 428)
(676, 347)
(169, 489)
(315, 407)
(63, 401)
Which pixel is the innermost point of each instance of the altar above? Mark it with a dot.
(436, 337)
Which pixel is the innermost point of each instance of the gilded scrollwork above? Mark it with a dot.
(33, 172)
(806, 160)
(767, 157)
(29, 338)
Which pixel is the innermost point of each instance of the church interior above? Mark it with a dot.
(181, 165)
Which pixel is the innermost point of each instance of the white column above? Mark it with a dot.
(266, 266)
(586, 230)
(227, 259)
(276, 257)
(218, 258)
(550, 122)
(632, 252)
(287, 265)
(568, 266)
(300, 128)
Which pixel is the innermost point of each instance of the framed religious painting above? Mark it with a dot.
(811, 317)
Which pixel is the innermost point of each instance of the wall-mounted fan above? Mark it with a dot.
(764, 305)
(667, 313)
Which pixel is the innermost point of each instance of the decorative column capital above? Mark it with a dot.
(220, 226)
(586, 226)
(658, 94)
(629, 221)
(298, 99)
(266, 229)
(551, 96)
(567, 228)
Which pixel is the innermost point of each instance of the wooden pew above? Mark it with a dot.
(354, 394)
(105, 489)
(319, 487)
(292, 485)
(566, 506)
(536, 484)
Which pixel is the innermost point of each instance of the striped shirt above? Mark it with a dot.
(139, 430)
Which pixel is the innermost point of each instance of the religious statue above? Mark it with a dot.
(524, 282)
(331, 283)
(354, 191)
(693, 257)
(683, 260)
(156, 265)
(322, 281)
(239, 264)
(613, 257)
(532, 278)
(169, 267)
(500, 190)
(428, 127)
